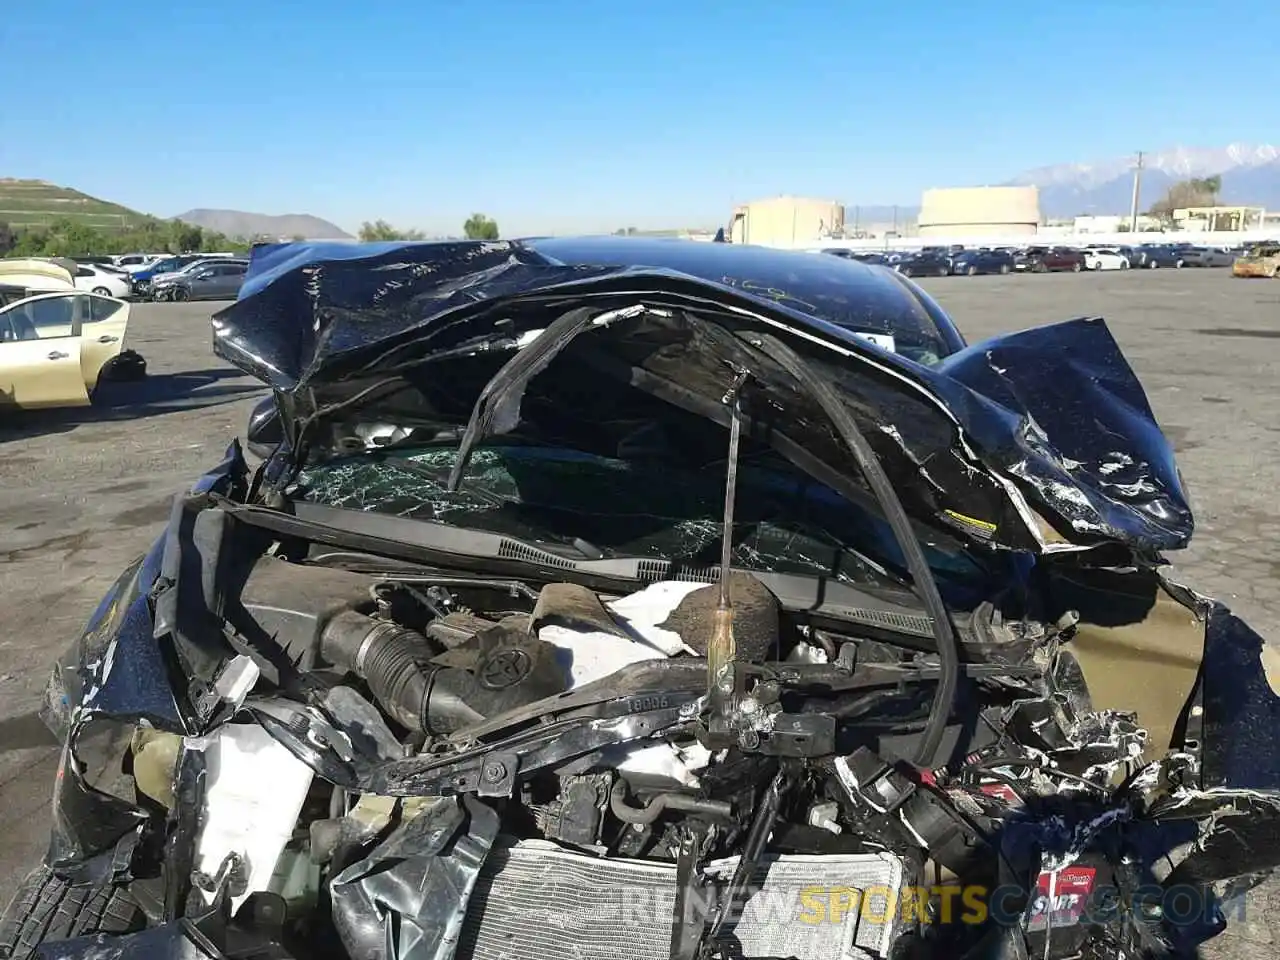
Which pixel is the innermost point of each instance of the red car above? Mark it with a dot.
(1048, 259)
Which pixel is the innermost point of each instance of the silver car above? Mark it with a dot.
(1207, 257)
(217, 279)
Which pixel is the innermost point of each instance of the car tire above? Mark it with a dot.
(1153, 264)
(1004, 269)
(905, 271)
(1179, 264)
(1075, 267)
(127, 366)
(1124, 264)
(46, 908)
(1097, 265)
(101, 291)
(943, 271)
(972, 271)
(179, 294)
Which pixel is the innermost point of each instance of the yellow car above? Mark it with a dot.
(56, 342)
(1261, 261)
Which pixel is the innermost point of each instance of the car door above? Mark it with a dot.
(220, 281)
(104, 321)
(199, 281)
(40, 354)
(230, 277)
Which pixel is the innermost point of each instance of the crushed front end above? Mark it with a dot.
(613, 613)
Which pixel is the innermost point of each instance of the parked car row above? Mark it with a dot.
(140, 261)
(961, 261)
(188, 276)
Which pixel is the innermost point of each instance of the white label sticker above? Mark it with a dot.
(884, 341)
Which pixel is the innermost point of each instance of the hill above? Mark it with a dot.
(237, 223)
(36, 203)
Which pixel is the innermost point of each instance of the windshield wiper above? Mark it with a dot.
(888, 611)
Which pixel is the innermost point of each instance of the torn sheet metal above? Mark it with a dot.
(312, 314)
(1073, 427)
(407, 899)
(1241, 706)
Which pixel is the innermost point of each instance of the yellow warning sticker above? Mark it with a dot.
(980, 524)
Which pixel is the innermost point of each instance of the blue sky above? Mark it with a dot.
(574, 116)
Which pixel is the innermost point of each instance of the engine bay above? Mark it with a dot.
(472, 735)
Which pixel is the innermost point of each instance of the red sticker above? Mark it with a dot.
(1001, 791)
(1071, 887)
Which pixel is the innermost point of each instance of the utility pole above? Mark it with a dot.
(1137, 189)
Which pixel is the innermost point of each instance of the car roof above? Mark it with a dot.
(46, 276)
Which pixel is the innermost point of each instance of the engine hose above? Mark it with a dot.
(652, 810)
(389, 659)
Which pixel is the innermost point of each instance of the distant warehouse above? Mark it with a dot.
(979, 211)
(784, 221)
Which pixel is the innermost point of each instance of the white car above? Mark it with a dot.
(136, 261)
(1104, 258)
(105, 283)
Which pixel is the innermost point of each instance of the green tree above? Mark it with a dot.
(30, 243)
(187, 237)
(1210, 185)
(480, 227)
(1186, 193)
(7, 238)
(72, 238)
(66, 237)
(380, 230)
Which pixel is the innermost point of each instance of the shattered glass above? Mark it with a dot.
(784, 522)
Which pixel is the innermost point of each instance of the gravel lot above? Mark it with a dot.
(83, 492)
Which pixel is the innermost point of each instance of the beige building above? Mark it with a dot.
(1112, 223)
(979, 211)
(1201, 219)
(784, 221)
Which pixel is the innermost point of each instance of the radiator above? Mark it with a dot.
(535, 900)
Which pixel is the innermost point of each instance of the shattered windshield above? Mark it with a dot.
(784, 521)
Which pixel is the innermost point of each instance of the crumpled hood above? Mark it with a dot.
(1051, 422)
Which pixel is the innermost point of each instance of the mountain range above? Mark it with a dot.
(1250, 176)
(237, 223)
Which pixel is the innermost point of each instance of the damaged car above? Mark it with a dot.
(58, 345)
(1262, 260)
(618, 598)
